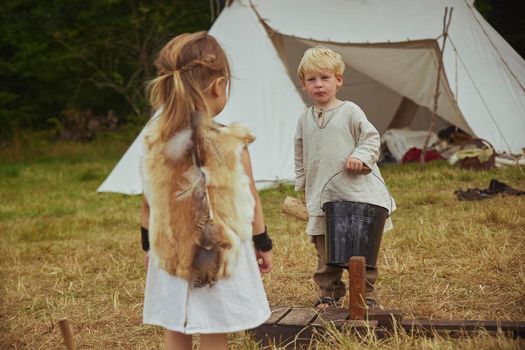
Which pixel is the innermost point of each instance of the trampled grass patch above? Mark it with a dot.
(68, 251)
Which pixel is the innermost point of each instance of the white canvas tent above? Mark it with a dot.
(391, 50)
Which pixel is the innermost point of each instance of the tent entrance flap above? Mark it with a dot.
(404, 114)
(379, 76)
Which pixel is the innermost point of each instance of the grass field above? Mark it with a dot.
(67, 251)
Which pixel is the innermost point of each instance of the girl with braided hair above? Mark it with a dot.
(202, 222)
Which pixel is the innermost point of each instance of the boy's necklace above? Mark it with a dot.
(322, 118)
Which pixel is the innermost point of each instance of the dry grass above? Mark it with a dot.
(67, 251)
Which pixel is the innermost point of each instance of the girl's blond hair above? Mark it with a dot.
(186, 66)
(319, 58)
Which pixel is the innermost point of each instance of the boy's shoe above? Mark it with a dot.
(371, 304)
(324, 303)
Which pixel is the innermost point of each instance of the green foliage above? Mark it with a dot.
(80, 55)
(9, 171)
(96, 55)
(502, 16)
(483, 6)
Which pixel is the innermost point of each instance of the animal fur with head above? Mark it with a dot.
(199, 214)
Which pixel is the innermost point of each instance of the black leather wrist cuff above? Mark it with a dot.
(144, 233)
(262, 241)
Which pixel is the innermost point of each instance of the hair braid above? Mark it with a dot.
(186, 66)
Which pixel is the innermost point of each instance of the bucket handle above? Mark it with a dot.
(371, 172)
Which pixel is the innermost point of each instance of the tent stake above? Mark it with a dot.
(67, 334)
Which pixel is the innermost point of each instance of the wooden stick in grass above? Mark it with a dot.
(67, 334)
(357, 287)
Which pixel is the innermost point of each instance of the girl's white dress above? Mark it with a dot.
(232, 304)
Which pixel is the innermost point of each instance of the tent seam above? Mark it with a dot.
(495, 48)
(480, 95)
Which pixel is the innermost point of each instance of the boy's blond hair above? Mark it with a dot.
(320, 58)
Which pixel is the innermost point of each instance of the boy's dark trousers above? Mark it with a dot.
(328, 278)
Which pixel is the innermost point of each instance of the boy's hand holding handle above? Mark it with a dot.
(357, 166)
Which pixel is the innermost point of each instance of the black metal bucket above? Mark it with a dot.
(353, 229)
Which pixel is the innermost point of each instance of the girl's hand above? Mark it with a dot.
(264, 260)
(354, 165)
(146, 259)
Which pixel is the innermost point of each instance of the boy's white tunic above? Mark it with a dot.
(322, 151)
(234, 303)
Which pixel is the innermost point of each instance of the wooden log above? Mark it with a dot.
(67, 334)
(295, 207)
(357, 287)
(517, 328)
(387, 318)
(293, 328)
(361, 327)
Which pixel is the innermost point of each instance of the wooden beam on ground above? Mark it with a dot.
(295, 207)
(294, 328)
(338, 318)
(290, 327)
(277, 314)
(299, 317)
(386, 318)
(334, 317)
(516, 328)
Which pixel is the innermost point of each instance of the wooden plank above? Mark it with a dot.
(298, 317)
(361, 325)
(386, 317)
(289, 337)
(337, 317)
(296, 326)
(277, 314)
(515, 327)
(295, 207)
(357, 287)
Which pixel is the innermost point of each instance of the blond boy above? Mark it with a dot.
(333, 135)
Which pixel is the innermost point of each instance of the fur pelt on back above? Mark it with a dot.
(171, 186)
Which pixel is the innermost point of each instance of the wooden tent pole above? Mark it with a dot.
(446, 24)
